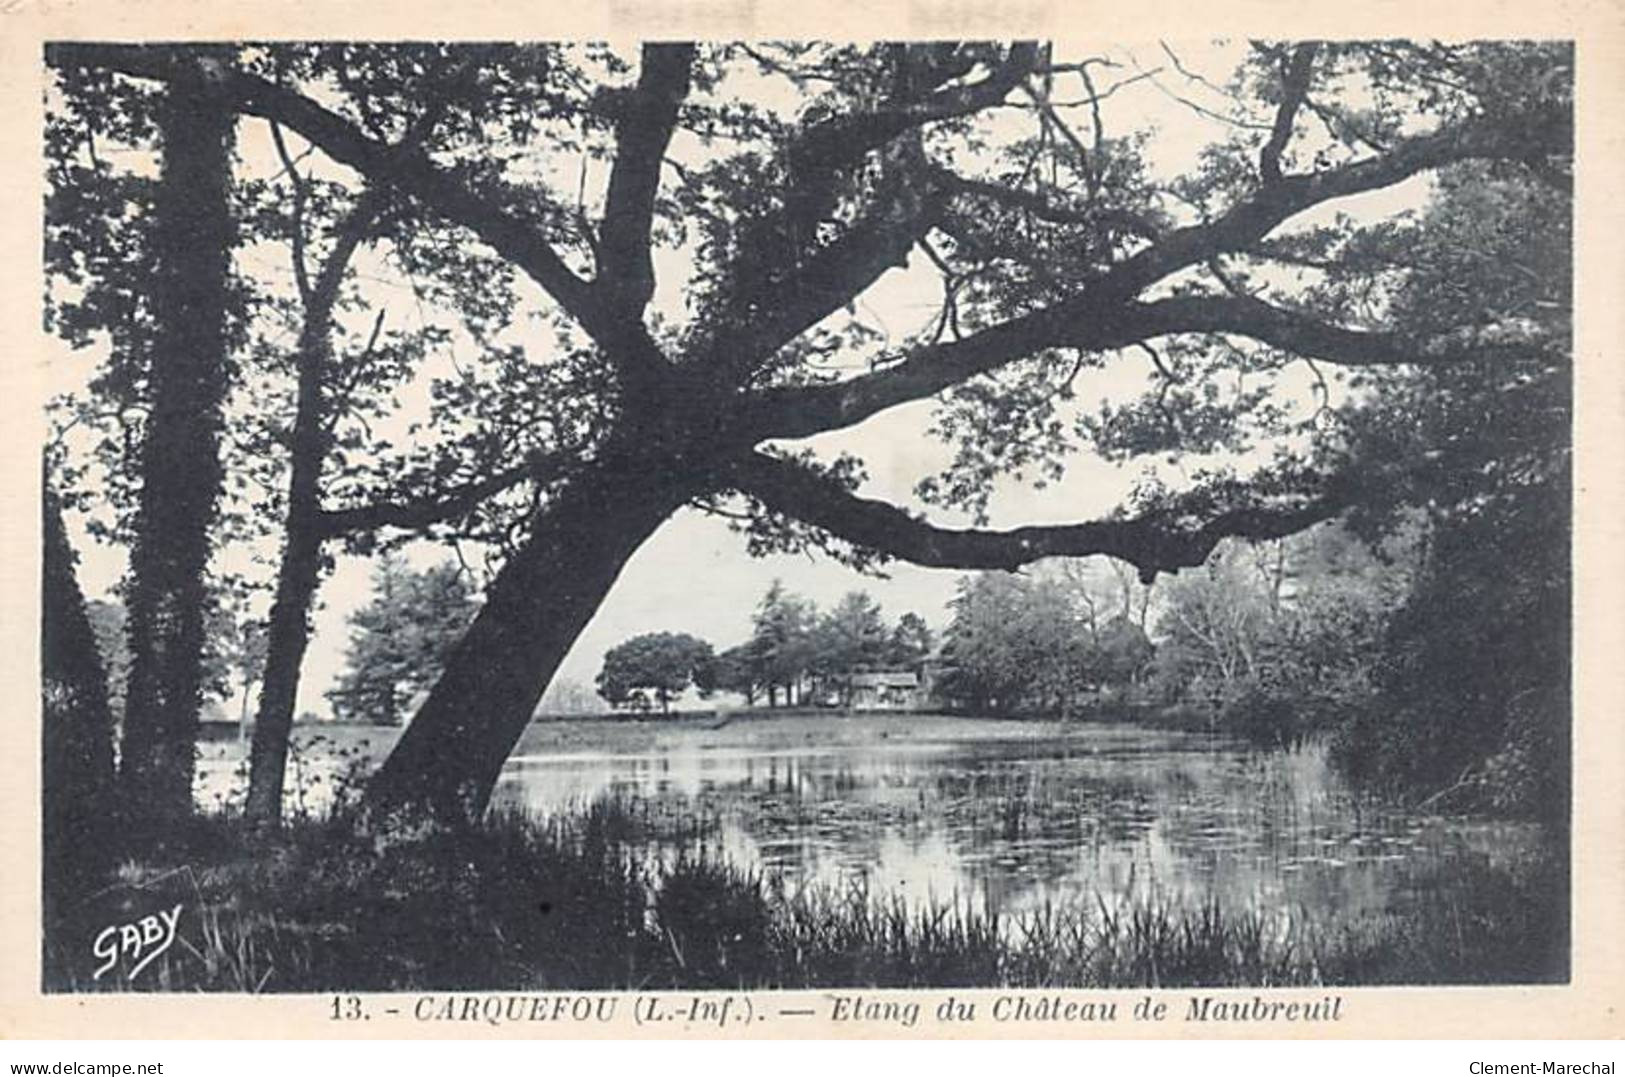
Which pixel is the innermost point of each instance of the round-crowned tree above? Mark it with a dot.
(663, 664)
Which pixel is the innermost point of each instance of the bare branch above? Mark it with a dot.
(1199, 109)
(949, 318)
(301, 276)
(1343, 127)
(1085, 156)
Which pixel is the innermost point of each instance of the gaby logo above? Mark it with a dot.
(141, 941)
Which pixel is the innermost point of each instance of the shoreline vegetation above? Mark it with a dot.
(574, 899)
(609, 730)
(1385, 579)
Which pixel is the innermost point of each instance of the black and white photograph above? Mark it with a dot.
(828, 515)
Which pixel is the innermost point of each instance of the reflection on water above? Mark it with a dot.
(1102, 810)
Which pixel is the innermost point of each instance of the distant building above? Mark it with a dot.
(886, 691)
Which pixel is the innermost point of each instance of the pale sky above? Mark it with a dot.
(693, 575)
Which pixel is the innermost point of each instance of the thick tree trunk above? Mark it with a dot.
(180, 463)
(448, 760)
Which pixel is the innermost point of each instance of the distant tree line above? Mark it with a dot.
(795, 656)
(1045, 640)
(1277, 640)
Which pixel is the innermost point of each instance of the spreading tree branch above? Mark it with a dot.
(1152, 543)
(1532, 136)
(643, 131)
(1295, 71)
(1045, 209)
(418, 514)
(1311, 338)
(321, 295)
(808, 410)
(839, 140)
(768, 313)
(1106, 316)
(778, 298)
(407, 168)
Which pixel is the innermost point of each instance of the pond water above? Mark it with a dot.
(1082, 813)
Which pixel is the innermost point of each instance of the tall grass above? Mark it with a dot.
(572, 901)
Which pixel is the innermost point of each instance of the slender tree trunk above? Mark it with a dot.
(448, 760)
(180, 463)
(297, 581)
(298, 577)
(299, 574)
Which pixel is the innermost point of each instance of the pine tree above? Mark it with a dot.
(400, 640)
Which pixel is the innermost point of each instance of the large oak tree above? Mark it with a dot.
(1058, 249)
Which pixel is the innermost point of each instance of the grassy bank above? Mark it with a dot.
(564, 903)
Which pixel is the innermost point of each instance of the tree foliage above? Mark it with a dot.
(232, 649)
(1473, 705)
(799, 655)
(662, 663)
(782, 648)
(1277, 640)
(400, 640)
(850, 638)
(1039, 641)
(911, 643)
(1016, 642)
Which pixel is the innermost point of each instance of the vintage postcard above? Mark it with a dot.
(687, 520)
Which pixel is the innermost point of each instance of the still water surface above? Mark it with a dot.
(1087, 810)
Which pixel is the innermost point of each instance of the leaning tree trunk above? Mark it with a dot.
(180, 464)
(76, 777)
(448, 759)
